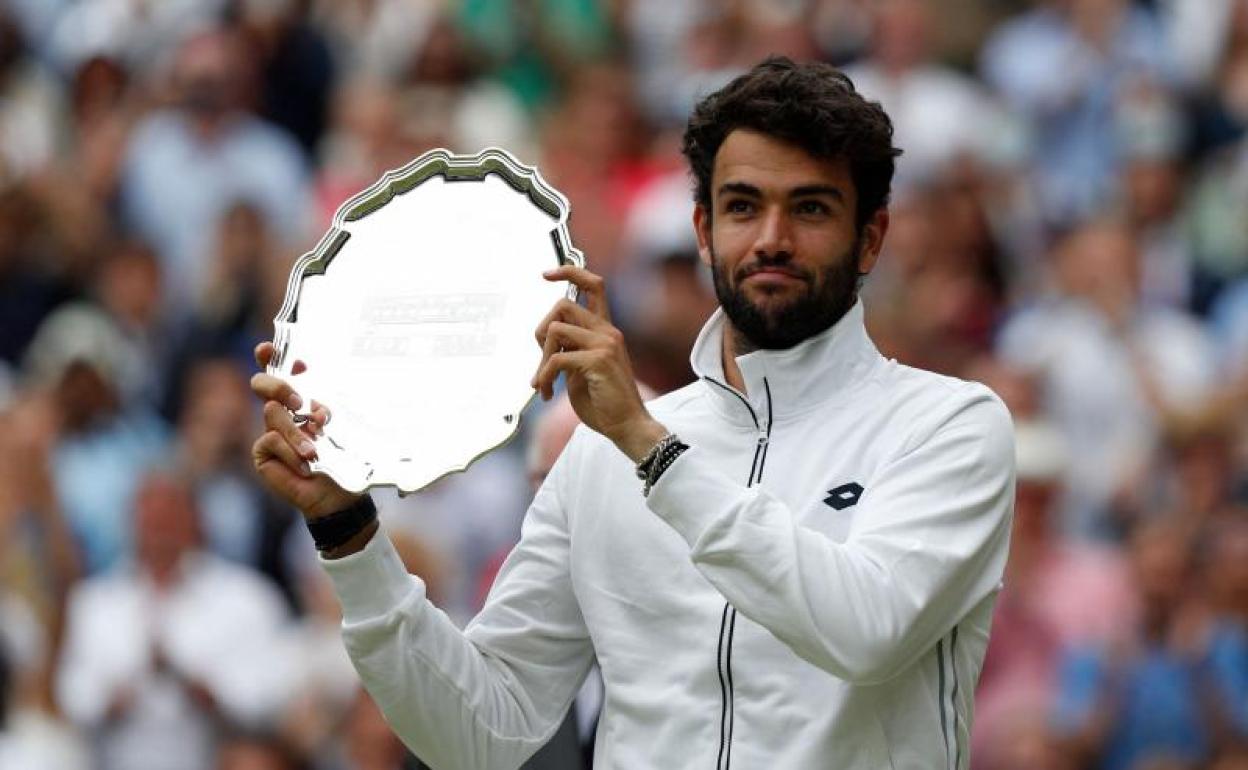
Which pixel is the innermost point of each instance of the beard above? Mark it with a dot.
(829, 295)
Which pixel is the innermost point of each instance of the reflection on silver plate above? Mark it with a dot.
(415, 316)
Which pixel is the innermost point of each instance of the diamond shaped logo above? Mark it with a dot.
(844, 496)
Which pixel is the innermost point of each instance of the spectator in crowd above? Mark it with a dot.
(238, 520)
(1209, 41)
(127, 286)
(1217, 231)
(253, 751)
(32, 735)
(665, 292)
(1229, 323)
(188, 163)
(39, 560)
(30, 288)
(1058, 594)
(1152, 138)
(533, 47)
(104, 106)
(373, 40)
(235, 301)
(593, 151)
(38, 566)
(327, 684)
(325, 696)
(1224, 579)
(1176, 688)
(365, 139)
(1112, 370)
(367, 743)
(1103, 49)
(132, 31)
(936, 302)
(162, 652)
(658, 31)
(1193, 475)
(102, 440)
(1026, 743)
(32, 121)
(441, 77)
(295, 68)
(938, 114)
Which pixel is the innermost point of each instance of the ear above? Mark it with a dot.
(702, 227)
(872, 240)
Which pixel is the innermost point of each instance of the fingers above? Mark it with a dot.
(278, 420)
(264, 353)
(567, 361)
(567, 311)
(270, 388)
(271, 446)
(319, 416)
(276, 392)
(590, 284)
(563, 336)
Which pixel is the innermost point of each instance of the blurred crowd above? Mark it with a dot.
(1069, 226)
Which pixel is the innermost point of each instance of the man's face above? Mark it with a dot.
(165, 527)
(781, 240)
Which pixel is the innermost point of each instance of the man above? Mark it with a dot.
(806, 576)
(1113, 370)
(185, 166)
(160, 653)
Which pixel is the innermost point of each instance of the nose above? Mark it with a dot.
(774, 236)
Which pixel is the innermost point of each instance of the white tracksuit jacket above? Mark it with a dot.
(810, 585)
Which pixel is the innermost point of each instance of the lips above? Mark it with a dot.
(773, 272)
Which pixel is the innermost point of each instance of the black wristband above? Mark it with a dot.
(332, 530)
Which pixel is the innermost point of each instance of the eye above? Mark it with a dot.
(811, 208)
(738, 206)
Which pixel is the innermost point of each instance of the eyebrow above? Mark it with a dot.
(804, 191)
(741, 188)
(811, 190)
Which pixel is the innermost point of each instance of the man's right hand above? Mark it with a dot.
(282, 453)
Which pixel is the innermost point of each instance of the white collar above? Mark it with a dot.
(780, 383)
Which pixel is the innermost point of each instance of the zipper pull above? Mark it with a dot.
(762, 439)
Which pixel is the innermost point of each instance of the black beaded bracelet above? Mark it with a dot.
(647, 462)
(659, 460)
(332, 530)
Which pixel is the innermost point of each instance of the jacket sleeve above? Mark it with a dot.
(492, 695)
(929, 542)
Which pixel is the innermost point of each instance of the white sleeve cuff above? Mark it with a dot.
(373, 582)
(692, 494)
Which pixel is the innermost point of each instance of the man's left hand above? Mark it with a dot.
(582, 343)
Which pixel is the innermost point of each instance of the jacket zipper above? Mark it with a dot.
(728, 618)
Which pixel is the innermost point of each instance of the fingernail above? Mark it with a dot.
(305, 469)
(307, 448)
(293, 402)
(549, 273)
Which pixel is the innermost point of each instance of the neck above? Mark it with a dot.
(735, 344)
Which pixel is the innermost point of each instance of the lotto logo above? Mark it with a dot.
(844, 496)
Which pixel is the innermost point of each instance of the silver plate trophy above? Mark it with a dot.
(415, 316)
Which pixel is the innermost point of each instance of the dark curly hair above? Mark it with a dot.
(813, 106)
